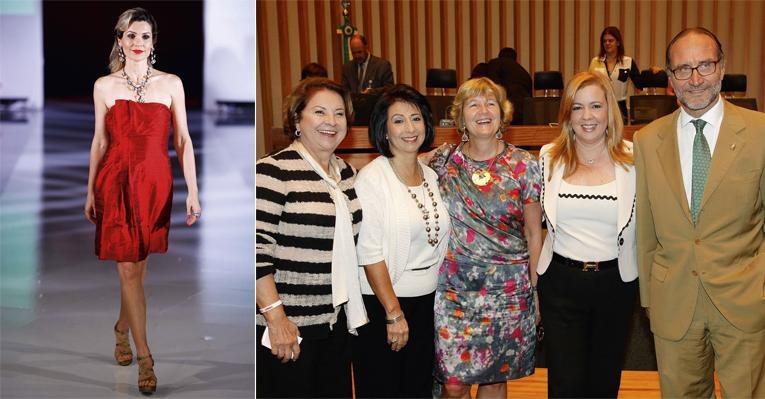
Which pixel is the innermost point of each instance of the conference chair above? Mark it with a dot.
(733, 85)
(544, 110)
(540, 110)
(652, 82)
(550, 82)
(438, 80)
(645, 108)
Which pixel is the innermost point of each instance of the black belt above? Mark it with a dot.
(586, 266)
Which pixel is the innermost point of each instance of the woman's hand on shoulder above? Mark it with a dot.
(427, 157)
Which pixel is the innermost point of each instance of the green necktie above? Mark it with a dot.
(701, 159)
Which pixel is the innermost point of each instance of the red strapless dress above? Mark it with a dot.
(134, 183)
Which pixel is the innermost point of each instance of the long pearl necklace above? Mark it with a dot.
(432, 240)
(138, 87)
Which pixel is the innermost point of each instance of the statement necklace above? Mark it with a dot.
(482, 177)
(138, 87)
(432, 240)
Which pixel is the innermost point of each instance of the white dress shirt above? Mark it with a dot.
(685, 134)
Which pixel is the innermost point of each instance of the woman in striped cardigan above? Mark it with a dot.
(308, 219)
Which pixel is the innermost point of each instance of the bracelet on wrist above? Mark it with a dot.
(271, 306)
(395, 319)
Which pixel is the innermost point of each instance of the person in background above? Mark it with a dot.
(401, 244)
(508, 73)
(130, 183)
(617, 67)
(485, 306)
(307, 282)
(700, 220)
(480, 70)
(313, 70)
(588, 271)
(366, 73)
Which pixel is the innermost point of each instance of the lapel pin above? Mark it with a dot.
(732, 147)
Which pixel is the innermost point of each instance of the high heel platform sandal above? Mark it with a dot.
(122, 349)
(147, 380)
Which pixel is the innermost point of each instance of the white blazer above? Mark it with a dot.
(625, 205)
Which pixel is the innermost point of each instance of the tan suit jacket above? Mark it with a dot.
(725, 251)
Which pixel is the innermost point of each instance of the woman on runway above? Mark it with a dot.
(130, 182)
(485, 298)
(308, 217)
(402, 242)
(588, 271)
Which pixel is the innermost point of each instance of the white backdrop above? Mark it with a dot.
(229, 69)
(21, 51)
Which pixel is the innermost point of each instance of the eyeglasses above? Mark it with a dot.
(704, 69)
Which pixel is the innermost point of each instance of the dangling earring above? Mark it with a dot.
(153, 57)
(297, 132)
(464, 133)
(121, 55)
(500, 133)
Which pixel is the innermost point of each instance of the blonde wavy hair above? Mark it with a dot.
(563, 149)
(123, 22)
(480, 87)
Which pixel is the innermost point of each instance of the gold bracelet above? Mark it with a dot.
(395, 319)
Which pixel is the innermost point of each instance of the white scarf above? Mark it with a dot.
(345, 268)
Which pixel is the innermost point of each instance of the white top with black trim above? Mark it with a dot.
(586, 222)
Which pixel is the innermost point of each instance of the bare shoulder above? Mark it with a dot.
(165, 78)
(107, 82)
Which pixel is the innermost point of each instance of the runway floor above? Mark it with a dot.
(58, 302)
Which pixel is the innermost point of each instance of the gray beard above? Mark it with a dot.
(717, 87)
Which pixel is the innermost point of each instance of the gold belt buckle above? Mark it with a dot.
(590, 266)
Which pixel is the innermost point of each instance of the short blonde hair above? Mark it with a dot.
(480, 87)
(563, 149)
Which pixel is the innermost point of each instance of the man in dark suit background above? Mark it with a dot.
(365, 73)
(508, 73)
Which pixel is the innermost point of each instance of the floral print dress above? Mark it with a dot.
(484, 307)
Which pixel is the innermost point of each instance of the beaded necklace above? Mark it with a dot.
(432, 240)
(137, 87)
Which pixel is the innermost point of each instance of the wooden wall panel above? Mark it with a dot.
(548, 34)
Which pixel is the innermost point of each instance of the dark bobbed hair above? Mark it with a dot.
(699, 31)
(613, 31)
(295, 103)
(124, 21)
(313, 70)
(378, 119)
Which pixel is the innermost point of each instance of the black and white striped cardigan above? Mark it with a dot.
(295, 225)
